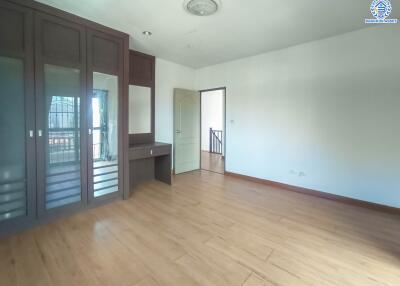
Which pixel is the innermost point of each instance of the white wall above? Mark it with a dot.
(212, 115)
(329, 109)
(169, 76)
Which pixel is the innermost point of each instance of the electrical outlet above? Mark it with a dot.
(297, 173)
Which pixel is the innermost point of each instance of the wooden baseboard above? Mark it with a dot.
(310, 192)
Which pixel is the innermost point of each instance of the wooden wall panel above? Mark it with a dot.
(12, 30)
(61, 42)
(142, 69)
(106, 54)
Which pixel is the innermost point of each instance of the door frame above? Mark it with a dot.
(224, 122)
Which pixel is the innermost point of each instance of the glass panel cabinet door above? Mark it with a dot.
(105, 68)
(17, 134)
(63, 165)
(13, 192)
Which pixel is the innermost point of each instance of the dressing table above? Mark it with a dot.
(148, 160)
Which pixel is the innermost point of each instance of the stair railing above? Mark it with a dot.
(216, 141)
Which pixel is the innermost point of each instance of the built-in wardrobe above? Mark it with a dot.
(63, 127)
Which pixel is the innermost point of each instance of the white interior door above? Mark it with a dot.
(186, 130)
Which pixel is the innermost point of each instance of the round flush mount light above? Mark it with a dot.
(147, 33)
(201, 7)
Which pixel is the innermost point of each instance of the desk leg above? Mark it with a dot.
(163, 168)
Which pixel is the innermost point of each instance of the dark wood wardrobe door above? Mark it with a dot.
(61, 114)
(17, 114)
(105, 94)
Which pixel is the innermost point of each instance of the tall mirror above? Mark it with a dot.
(141, 98)
(139, 109)
(105, 134)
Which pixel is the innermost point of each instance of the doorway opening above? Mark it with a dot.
(213, 134)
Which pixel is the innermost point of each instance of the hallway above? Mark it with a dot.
(212, 162)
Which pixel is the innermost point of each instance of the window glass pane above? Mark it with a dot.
(105, 133)
(12, 139)
(96, 111)
(97, 144)
(62, 94)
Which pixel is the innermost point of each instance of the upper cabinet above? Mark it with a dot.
(141, 69)
(15, 29)
(106, 52)
(59, 40)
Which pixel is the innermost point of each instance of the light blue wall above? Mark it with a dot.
(169, 76)
(329, 109)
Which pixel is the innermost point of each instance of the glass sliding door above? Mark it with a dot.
(63, 165)
(17, 118)
(61, 115)
(104, 112)
(13, 179)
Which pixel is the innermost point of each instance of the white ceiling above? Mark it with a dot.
(241, 28)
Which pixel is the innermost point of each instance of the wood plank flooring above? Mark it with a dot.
(212, 162)
(209, 229)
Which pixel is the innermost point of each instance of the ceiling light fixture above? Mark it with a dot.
(147, 33)
(201, 7)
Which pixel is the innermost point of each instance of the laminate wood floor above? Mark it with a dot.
(212, 162)
(209, 229)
